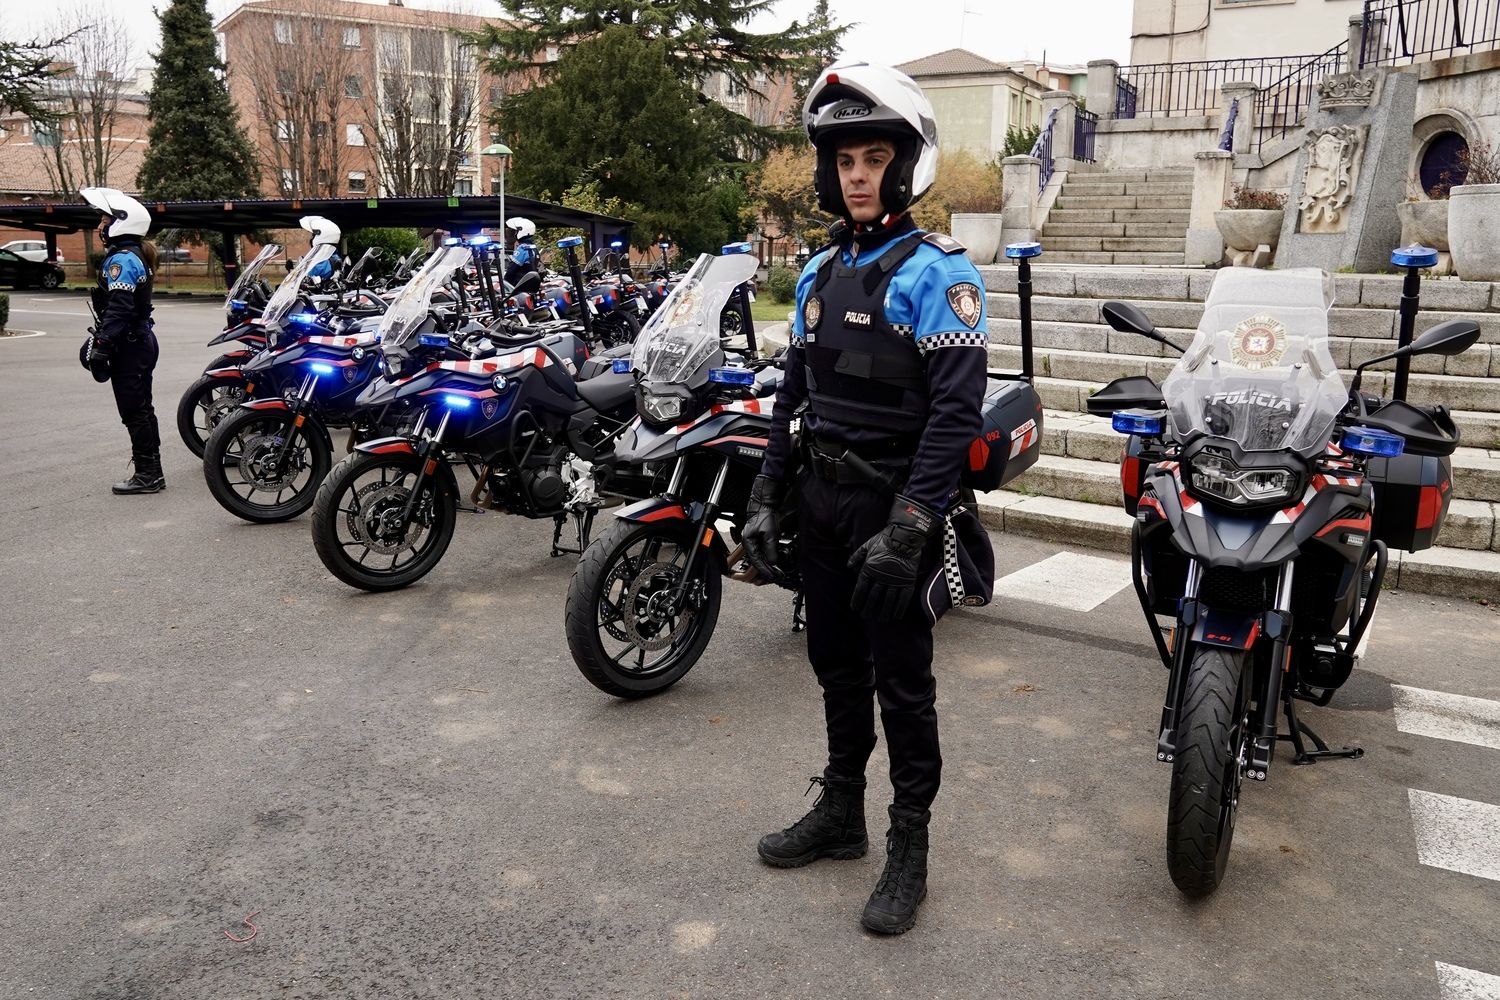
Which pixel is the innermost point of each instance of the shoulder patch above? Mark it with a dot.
(947, 244)
(967, 303)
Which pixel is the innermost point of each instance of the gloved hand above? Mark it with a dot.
(763, 526)
(95, 357)
(889, 562)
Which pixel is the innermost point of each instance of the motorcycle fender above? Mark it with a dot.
(654, 509)
(231, 372)
(387, 446)
(269, 403)
(1229, 629)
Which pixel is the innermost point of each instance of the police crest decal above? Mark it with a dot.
(967, 303)
(1258, 342)
(114, 271)
(812, 312)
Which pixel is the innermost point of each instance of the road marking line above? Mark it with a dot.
(48, 312)
(1066, 580)
(1455, 834)
(1444, 716)
(1457, 983)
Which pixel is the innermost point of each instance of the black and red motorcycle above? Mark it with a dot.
(1265, 494)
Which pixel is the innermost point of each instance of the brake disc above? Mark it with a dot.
(216, 407)
(260, 454)
(649, 628)
(374, 521)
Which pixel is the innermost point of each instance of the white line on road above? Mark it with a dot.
(1459, 835)
(49, 312)
(1458, 983)
(1443, 716)
(1066, 580)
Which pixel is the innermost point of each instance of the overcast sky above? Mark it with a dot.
(890, 31)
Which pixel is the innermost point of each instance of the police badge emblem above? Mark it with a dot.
(812, 312)
(1258, 342)
(488, 408)
(114, 271)
(967, 303)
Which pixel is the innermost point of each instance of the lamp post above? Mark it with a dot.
(501, 150)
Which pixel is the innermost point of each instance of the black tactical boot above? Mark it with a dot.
(892, 908)
(148, 476)
(835, 828)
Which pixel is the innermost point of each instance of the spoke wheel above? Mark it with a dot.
(628, 633)
(261, 467)
(203, 406)
(359, 525)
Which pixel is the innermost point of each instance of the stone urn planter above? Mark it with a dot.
(1246, 230)
(980, 233)
(1473, 221)
(1425, 223)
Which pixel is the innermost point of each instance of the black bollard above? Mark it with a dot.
(1413, 258)
(1022, 253)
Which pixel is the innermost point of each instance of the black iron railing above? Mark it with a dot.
(1226, 137)
(1176, 90)
(1398, 32)
(1042, 149)
(1085, 127)
(1126, 97)
(1282, 105)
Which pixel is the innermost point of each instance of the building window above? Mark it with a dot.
(285, 81)
(352, 88)
(351, 38)
(285, 130)
(320, 130)
(552, 53)
(288, 181)
(463, 186)
(323, 180)
(354, 135)
(357, 181)
(317, 30)
(1015, 109)
(496, 92)
(283, 32)
(495, 184)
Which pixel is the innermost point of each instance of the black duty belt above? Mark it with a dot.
(846, 469)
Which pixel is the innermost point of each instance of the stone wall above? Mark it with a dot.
(1153, 142)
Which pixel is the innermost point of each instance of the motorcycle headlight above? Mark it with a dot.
(661, 408)
(1216, 475)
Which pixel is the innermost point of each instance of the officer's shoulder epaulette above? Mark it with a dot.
(945, 243)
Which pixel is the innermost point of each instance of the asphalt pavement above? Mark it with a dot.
(418, 795)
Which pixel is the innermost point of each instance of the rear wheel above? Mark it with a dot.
(359, 526)
(205, 403)
(51, 280)
(262, 467)
(1212, 750)
(623, 631)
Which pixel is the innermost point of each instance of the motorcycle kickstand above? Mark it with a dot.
(799, 619)
(1299, 729)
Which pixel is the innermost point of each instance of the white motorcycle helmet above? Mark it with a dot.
(324, 232)
(523, 227)
(859, 99)
(131, 217)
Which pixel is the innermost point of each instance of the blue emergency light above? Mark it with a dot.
(478, 240)
(1415, 255)
(305, 318)
(735, 248)
(616, 244)
(1138, 422)
(452, 241)
(1016, 251)
(569, 241)
(237, 303)
(321, 368)
(457, 402)
(1371, 441)
(731, 376)
(433, 340)
(620, 366)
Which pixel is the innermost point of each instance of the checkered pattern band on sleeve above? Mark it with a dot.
(965, 338)
(951, 575)
(905, 329)
(795, 339)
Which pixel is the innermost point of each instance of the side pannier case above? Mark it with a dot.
(1411, 499)
(1010, 435)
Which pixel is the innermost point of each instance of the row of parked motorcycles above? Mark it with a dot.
(1265, 492)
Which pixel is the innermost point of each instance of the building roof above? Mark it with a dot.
(952, 62)
(23, 167)
(370, 13)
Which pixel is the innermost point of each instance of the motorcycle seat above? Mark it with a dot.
(608, 390)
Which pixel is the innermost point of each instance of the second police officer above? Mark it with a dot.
(324, 233)
(886, 368)
(524, 259)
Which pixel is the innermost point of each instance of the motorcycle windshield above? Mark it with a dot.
(685, 330)
(250, 273)
(410, 306)
(286, 292)
(1259, 370)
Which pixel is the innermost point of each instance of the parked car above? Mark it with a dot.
(18, 272)
(174, 255)
(31, 250)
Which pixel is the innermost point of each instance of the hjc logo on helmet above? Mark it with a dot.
(852, 111)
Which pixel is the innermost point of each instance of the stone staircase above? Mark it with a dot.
(1072, 494)
(1120, 217)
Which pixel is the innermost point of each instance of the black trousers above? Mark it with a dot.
(858, 660)
(130, 371)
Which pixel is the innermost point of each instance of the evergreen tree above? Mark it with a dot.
(197, 149)
(25, 68)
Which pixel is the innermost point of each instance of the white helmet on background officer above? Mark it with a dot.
(858, 100)
(130, 216)
(523, 227)
(324, 232)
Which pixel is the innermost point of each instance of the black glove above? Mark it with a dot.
(889, 562)
(95, 357)
(763, 526)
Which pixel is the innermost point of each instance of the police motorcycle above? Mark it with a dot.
(221, 387)
(1266, 496)
(536, 440)
(644, 600)
(263, 461)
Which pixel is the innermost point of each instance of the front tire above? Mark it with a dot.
(262, 467)
(203, 406)
(1208, 769)
(50, 280)
(621, 631)
(356, 521)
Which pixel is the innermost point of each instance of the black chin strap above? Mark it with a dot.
(873, 234)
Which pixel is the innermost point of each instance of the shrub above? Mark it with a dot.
(1477, 164)
(782, 285)
(393, 243)
(964, 184)
(4, 310)
(1020, 138)
(1243, 197)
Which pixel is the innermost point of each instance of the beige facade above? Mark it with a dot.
(976, 101)
(1189, 30)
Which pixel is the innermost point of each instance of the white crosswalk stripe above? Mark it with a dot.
(1459, 835)
(1458, 983)
(1444, 716)
(1066, 580)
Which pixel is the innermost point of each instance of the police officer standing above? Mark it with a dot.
(524, 259)
(324, 233)
(122, 348)
(887, 369)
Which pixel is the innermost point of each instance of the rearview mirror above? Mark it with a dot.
(1450, 338)
(1126, 318)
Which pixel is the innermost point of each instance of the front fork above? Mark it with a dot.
(429, 450)
(702, 536)
(300, 402)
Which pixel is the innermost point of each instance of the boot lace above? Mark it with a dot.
(815, 815)
(894, 879)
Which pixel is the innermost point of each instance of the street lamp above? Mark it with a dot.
(501, 150)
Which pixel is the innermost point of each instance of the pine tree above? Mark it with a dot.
(197, 149)
(25, 69)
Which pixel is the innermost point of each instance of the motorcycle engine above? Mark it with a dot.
(546, 486)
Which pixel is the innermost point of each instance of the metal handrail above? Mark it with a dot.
(1042, 148)
(1435, 28)
(1284, 104)
(1175, 90)
(1226, 138)
(1085, 130)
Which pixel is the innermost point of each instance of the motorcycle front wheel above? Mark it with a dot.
(1208, 770)
(359, 527)
(624, 630)
(264, 468)
(205, 403)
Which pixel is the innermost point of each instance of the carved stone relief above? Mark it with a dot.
(1348, 90)
(1333, 160)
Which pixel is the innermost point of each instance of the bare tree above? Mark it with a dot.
(297, 72)
(423, 110)
(86, 96)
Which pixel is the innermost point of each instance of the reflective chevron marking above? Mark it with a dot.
(1443, 716)
(1455, 834)
(1066, 580)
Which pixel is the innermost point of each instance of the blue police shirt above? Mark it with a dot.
(525, 253)
(324, 268)
(123, 271)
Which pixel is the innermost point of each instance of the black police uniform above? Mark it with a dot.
(122, 303)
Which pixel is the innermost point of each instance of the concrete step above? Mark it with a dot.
(1158, 216)
(1066, 202)
(1127, 244)
(1052, 230)
(1117, 257)
(1092, 188)
(1158, 175)
(1467, 574)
